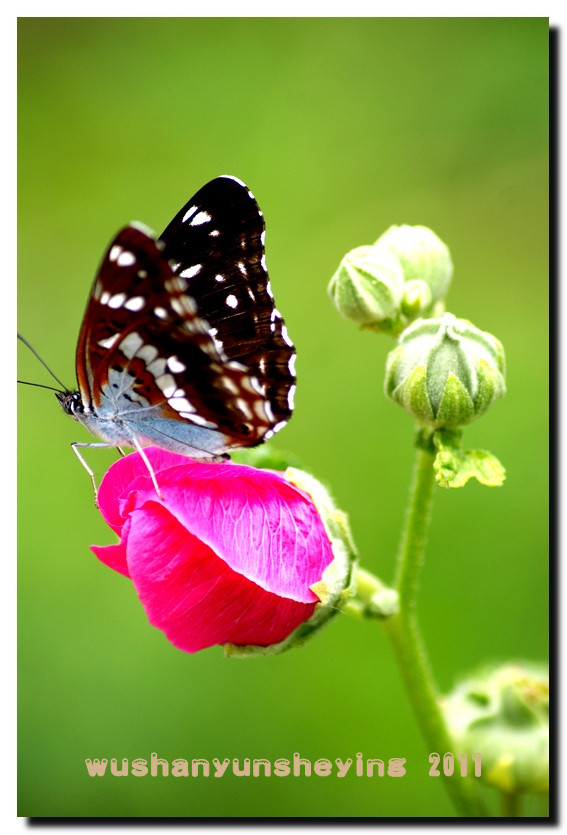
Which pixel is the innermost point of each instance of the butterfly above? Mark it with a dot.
(181, 345)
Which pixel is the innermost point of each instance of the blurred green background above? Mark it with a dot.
(341, 127)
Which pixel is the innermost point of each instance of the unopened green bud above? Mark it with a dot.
(445, 372)
(423, 256)
(368, 287)
(416, 299)
(503, 715)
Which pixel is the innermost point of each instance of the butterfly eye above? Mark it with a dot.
(71, 402)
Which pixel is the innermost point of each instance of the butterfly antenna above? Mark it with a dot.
(45, 365)
(38, 385)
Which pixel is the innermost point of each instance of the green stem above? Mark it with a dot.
(403, 630)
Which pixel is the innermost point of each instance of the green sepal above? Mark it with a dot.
(456, 405)
(454, 466)
(372, 597)
(412, 392)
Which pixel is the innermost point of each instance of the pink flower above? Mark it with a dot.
(226, 555)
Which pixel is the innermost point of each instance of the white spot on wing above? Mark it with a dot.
(126, 259)
(232, 301)
(218, 343)
(157, 367)
(167, 384)
(291, 364)
(181, 404)
(175, 285)
(189, 213)
(200, 218)
(117, 300)
(285, 337)
(191, 271)
(201, 421)
(234, 179)
(114, 252)
(109, 341)
(148, 353)
(160, 312)
(135, 303)
(244, 408)
(130, 344)
(291, 397)
(229, 385)
(257, 386)
(174, 364)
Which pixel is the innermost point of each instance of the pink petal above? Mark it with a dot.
(193, 596)
(263, 528)
(121, 478)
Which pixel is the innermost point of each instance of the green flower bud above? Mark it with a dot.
(368, 287)
(503, 715)
(422, 255)
(445, 372)
(416, 299)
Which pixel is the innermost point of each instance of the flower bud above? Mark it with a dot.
(368, 287)
(503, 715)
(445, 372)
(423, 256)
(416, 299)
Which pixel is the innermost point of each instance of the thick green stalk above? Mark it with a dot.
(404, 633)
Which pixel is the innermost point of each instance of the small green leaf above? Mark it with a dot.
(453, 469)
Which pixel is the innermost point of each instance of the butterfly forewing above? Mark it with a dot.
(184, 329)
(217, 242)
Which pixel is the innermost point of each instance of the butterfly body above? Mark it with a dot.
(181, 344)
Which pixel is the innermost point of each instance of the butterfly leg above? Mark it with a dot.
(84, 463)
(144, 458)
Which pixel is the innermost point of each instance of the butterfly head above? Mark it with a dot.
(71, 402)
